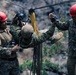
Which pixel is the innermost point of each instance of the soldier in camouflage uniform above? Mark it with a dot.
(29, 39)
(8, 58)
(71, 27)
(17, 22)
(16, 26)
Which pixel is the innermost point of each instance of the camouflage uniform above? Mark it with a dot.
(8, 59)
(14, 30)
(17, 24)
(34, 41)
(71, 27)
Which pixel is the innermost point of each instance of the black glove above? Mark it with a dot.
(31, 10)
(55, 19)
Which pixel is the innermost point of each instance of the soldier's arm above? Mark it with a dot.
(62, 25)
(59, 25)
(44, 36)
(53, 39)
(14, 34)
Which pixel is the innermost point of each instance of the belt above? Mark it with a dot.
(9, 59)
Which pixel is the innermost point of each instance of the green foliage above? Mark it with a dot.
(44, 72)
(45, 65)
(50, 66)
(53, 49)
(65, 35)
(27, 64)
(45, 50)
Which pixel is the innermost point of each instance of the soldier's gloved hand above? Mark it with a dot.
(31, 10)
(53, 18)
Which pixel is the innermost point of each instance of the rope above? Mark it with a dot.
(44, 6)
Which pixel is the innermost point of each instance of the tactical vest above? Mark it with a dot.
(5, 37)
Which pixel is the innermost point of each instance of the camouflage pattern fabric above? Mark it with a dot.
(71, 63)
(36, 40)
(9, 67)
(14, 30)
(71, 27)
(5, 39)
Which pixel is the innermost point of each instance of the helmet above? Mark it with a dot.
(27, 29)
(2, 17)
(20, 16)
(73, 11)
